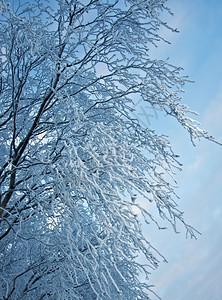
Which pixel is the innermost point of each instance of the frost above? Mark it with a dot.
(74, 157)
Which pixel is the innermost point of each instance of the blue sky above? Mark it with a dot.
(194, 269)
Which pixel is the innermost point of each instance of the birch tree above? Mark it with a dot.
(74, 159)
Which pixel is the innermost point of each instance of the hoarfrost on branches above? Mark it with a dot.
(73, 157)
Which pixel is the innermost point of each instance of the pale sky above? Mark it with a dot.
(194, 269)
